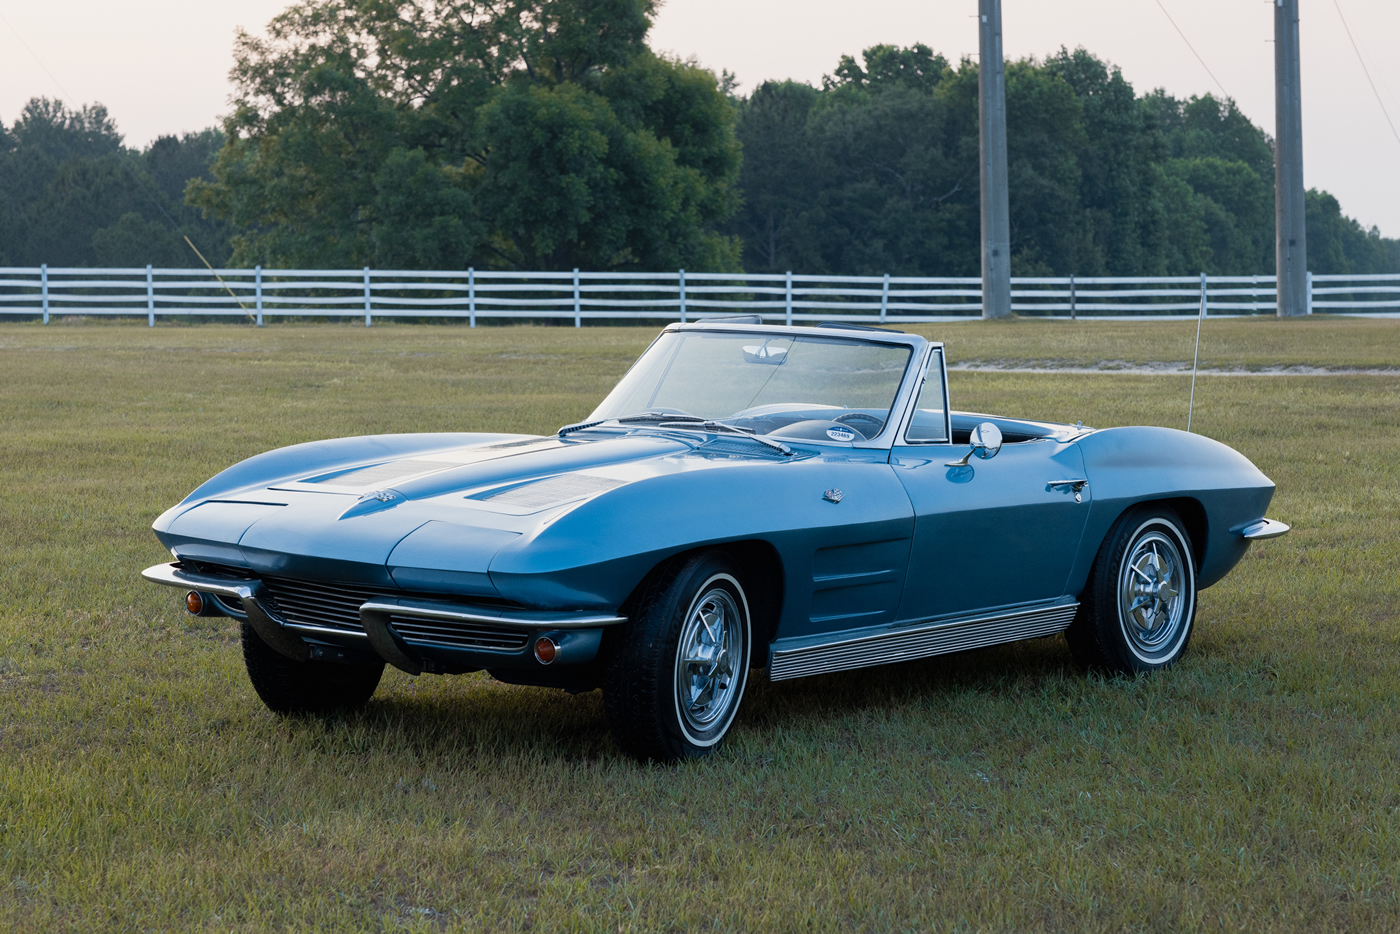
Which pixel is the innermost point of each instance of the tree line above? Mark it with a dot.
(546, 134)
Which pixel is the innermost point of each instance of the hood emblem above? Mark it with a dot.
(384, 496)
(840, 434)
(833, 496)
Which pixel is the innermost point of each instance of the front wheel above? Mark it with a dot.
(1139, 607)
(315, 687)
(681, 664)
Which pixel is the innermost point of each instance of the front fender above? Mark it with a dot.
(595, 555)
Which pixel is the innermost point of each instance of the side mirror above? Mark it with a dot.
(986, 442)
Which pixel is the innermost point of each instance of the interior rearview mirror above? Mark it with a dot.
(764, 353)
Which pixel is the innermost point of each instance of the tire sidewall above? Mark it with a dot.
(1112, 620)
(712, 574)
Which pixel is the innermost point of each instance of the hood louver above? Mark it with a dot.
(554, 490)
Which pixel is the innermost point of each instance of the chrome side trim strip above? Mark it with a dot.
(509, 618)
(1261, 529)
(920, 641)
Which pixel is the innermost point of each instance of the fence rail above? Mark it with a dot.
(578, 296)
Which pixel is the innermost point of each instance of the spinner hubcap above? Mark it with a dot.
(1152, 598)
(711, 646)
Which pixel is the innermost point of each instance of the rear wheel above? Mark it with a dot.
(290, 687)
(1139, 606)
(681, 663)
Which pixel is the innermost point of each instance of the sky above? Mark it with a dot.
(161, 66)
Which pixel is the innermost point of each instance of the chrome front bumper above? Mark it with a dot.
(375, 616)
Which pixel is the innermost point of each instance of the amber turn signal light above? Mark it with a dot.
(194, 602)
(545, 650)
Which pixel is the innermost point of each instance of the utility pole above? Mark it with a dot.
(1290, 233)
(996, 214)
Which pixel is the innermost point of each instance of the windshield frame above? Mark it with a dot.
(909, 381)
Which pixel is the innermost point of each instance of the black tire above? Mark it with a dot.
(1139, 607)
(312, 687)
(657, 676)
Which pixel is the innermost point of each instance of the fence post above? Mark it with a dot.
(471, 296)
(787, 302)
(1254, 294)
(1309, 291)
(367, 305)
(1205, 307)
(682, 293)
(150, 298)
(578, 318)
(257, 291)
(1071, 297)
(44, 289)
(884, 298)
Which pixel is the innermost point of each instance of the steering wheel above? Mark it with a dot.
(874, 424)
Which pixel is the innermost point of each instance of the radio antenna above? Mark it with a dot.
(1196, 359)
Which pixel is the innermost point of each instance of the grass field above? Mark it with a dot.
(144, 787)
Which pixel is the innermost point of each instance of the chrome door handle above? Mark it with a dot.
(1076, 485)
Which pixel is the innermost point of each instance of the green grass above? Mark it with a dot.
(144, 787)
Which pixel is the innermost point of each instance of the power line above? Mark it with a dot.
(1193, 49)
(1366, 71)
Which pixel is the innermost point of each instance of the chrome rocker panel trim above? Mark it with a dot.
(908, 643)
(1260, 529)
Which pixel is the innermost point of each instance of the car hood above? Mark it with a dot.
(428, 520)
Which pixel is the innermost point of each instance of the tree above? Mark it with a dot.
(877, 171)
(71, 194)
(537, 134)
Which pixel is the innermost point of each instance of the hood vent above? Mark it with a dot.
(383, 473)
(561, 489)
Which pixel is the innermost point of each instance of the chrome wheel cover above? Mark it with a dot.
(1154, 595)
(710, 663)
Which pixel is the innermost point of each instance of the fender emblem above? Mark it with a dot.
(833, 496)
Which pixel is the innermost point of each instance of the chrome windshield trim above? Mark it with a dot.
(918, 346)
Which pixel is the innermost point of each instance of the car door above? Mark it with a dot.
(994, 533)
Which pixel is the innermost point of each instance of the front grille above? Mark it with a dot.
(337, 606)
(311, 603)
(459, 635)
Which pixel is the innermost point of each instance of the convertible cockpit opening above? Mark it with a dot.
(1013, 431)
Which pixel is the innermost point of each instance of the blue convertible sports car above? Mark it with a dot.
(795, 499)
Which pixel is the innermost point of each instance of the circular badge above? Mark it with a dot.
(840, 434)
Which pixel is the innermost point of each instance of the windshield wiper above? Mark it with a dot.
(718, 427)
(659, 417)
(641, 417)
(682, 423)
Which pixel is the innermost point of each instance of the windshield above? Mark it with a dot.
(814, 388)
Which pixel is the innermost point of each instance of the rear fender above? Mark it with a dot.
(1213, 487)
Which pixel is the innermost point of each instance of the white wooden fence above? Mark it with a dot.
(578, 296)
